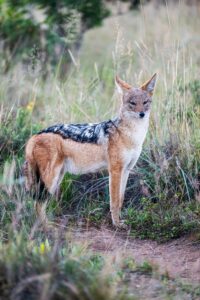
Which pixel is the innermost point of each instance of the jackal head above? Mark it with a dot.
(136, 102)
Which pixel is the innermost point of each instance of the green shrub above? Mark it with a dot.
(161, 221)
(31, 270)
(15, 129)
(48, 28)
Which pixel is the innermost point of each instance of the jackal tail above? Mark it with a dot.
(35, 186)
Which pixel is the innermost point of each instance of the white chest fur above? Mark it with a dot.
(140, 128)
(136, 133)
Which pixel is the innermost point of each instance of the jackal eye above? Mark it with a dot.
(145, 102)
(132, 102)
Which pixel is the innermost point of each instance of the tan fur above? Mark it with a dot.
(122, 83)
(52, 156)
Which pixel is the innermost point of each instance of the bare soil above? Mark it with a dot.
(179, 258)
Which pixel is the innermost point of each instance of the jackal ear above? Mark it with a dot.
(121, 85)
(149, 85)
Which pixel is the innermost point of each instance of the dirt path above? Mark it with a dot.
(180, 258)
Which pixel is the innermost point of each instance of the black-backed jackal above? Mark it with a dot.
(83, 148)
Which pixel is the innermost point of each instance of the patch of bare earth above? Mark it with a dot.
(179, 258)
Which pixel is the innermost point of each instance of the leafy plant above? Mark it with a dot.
(50, 27)
(15, 129)
(54, 271)
(163, 221)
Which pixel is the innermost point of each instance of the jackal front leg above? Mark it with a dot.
(115, 180)
(124, 179)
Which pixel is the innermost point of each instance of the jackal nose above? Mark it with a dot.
(142, 114)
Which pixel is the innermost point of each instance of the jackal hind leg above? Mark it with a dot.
(51, 178)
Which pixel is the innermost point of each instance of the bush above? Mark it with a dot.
(163, 221)
(51, 270)
(48, 28)
(15, 129)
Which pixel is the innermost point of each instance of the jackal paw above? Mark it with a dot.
(120, 224)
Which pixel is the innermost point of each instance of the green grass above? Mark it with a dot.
(163, 222)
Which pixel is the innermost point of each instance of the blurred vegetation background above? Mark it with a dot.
(58, 60)
(44, 30)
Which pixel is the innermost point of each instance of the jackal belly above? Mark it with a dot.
(84, 158)
(74, 167)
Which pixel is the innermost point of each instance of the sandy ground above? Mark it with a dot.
(180, 258)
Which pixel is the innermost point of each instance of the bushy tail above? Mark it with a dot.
(33, 181)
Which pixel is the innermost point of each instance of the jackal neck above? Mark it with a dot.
(125, 120)
(133, 130)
